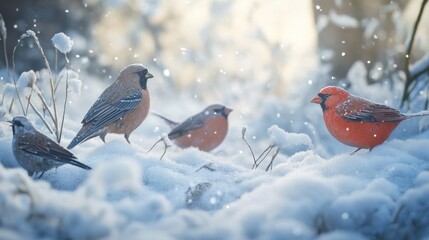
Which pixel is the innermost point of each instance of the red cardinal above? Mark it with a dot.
(358, 122)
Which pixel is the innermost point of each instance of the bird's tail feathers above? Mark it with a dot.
(77, 164)
(169, 122)
(76, 140)
(83, 135)
(418, 114)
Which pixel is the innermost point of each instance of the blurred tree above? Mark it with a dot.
(45, 18)
(419, 69)
(350, 31)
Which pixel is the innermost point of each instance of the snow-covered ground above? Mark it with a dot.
(315, 190)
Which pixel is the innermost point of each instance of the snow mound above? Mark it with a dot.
(289, 141)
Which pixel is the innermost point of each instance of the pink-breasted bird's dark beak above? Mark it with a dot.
(316, 100)
(228, 110)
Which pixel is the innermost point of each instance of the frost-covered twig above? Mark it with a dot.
(263, 155)
(162, 139)
(14, 81)
(65, 103)
(270, 165)
(57, 83)
(243, 136)
(207, 166)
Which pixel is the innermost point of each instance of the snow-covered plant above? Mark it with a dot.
(47, 90)
(257, 161)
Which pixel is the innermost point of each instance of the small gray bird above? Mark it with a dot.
(37, 153)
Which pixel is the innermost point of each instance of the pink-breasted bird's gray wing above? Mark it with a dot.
(192, 123)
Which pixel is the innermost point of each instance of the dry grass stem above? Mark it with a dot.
(270, 165)
(263, 155)
(162, 139)
(208, 167)
(41, 117)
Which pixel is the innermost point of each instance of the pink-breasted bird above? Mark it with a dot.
(205, 130)
(120, 109)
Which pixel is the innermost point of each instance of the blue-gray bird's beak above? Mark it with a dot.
(148, 75)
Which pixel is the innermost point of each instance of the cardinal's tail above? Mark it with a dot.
(418, 114)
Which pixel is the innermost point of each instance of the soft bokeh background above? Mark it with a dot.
(198, 44)
(266, 60)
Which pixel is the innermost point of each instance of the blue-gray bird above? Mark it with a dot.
(36, 152)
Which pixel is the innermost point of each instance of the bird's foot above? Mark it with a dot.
(355, 151)
(126, 138)
(103, 137)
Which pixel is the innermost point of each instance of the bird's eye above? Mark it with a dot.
(219, 110)
(142, 73)
(324, 96)
(18, 123)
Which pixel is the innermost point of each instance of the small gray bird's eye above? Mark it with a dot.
(18, 123)
(142, 73)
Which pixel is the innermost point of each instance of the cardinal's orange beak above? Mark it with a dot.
(316, 100)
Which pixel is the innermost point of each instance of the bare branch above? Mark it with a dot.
(409, 80)
(14, 82)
